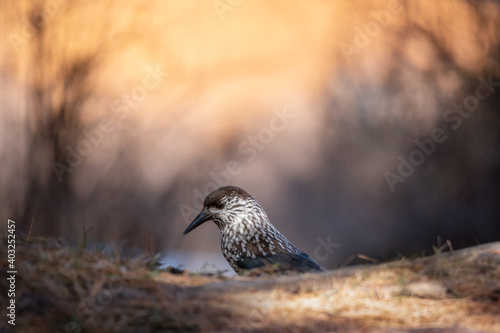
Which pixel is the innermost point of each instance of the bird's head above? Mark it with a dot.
(229, 206)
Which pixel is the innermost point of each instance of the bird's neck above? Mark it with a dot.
(242, 228)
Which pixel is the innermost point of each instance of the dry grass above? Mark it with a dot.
(63, 289)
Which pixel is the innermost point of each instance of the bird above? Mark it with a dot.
(249, 242)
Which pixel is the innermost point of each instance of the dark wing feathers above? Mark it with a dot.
(284, 261)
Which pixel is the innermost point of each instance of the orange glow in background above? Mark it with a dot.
(347, 73)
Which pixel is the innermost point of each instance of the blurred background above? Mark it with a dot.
(362, 127)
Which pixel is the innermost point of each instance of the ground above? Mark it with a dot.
(63, 289)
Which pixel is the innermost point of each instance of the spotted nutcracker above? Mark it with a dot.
(248, 240)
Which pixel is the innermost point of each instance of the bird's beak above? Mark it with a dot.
(199, 220)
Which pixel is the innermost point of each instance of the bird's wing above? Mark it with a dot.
(283, 261)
